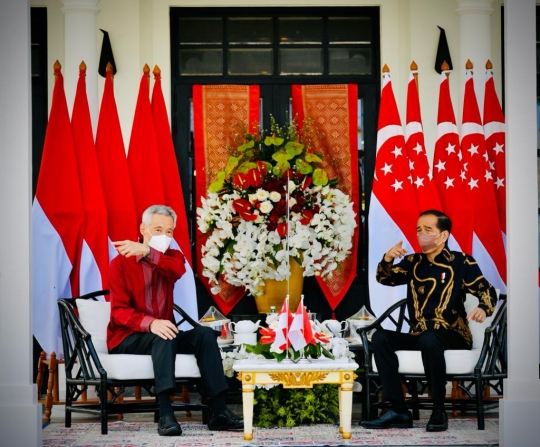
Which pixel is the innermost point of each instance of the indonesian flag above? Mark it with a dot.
(143, 158)
(494, 132)
(393, 212)
(57, 224)
(300, 332)
(94, 266)
(185, 293)
(122, 222)
(421, 174)
(448, 175)
(281, 342)
(488, 248)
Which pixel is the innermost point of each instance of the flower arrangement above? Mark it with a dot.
(323, 343)
(272, 202)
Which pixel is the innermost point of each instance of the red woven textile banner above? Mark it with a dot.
(219, 111)
(334, 110)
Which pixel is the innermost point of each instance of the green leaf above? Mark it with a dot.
(303, 167)
(276, 141)
(246, 146)
(313, 158)
(294, 146)
(231, 164)
(218, 184)
(320, 178)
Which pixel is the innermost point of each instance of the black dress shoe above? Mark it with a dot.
(390, 419)
(226, 420)
(168, 426)
(438, 421)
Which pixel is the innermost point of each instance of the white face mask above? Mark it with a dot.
(161, 242)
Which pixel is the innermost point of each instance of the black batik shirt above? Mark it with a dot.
(436, 291)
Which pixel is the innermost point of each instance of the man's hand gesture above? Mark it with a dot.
(129, 248)
(397, 251)
(164, 329)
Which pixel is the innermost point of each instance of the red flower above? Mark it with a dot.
(241, 180)
(267, 335)
(319, 336)
(307, 215)
(262, 168)
(282, 229)
(254, 176)
(244, 209)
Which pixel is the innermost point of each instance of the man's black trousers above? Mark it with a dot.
(432, 343)
(200, 341)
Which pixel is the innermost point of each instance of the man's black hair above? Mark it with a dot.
(443, 221)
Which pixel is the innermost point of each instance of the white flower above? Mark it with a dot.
(275, 196)
(261, 195)
(266, 207)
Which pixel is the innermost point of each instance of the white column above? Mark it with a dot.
(475, 44)
(520, 406)
(80, 38)
(20, 414)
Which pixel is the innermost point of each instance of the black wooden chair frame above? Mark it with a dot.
(84, 370)
(489, 371)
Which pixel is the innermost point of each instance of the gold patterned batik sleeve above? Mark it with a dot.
(479, 286)
(392, 275)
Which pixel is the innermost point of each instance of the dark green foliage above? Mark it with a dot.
(289, 407)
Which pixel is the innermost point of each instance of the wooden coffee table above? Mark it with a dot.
(253, 373)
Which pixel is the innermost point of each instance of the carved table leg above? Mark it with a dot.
(248, 397)
(345, 412)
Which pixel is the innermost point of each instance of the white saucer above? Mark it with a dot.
(224, 341)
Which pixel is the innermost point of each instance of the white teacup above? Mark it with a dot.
(335, 326)
(245, 338)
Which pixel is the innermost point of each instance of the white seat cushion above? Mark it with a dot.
(458, 361)
(94, 317)
(132, 366)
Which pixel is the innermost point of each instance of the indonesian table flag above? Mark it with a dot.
(494, 132)
(94, 265)
(143, 158)
(285, 318)
(300, 332)
(122, 222)
(488, 248)
(57, 223)
(393, 212)
(421, 174)
(334, 110)
(219, 111)
(448, 173)
(185, 293)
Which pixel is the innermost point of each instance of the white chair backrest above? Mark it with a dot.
(477, 329)
(94, 317)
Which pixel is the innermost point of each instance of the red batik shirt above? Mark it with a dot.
(141, 290)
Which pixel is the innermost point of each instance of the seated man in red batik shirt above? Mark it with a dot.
(141, 282)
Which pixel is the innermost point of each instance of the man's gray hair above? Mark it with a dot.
(164, 210)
